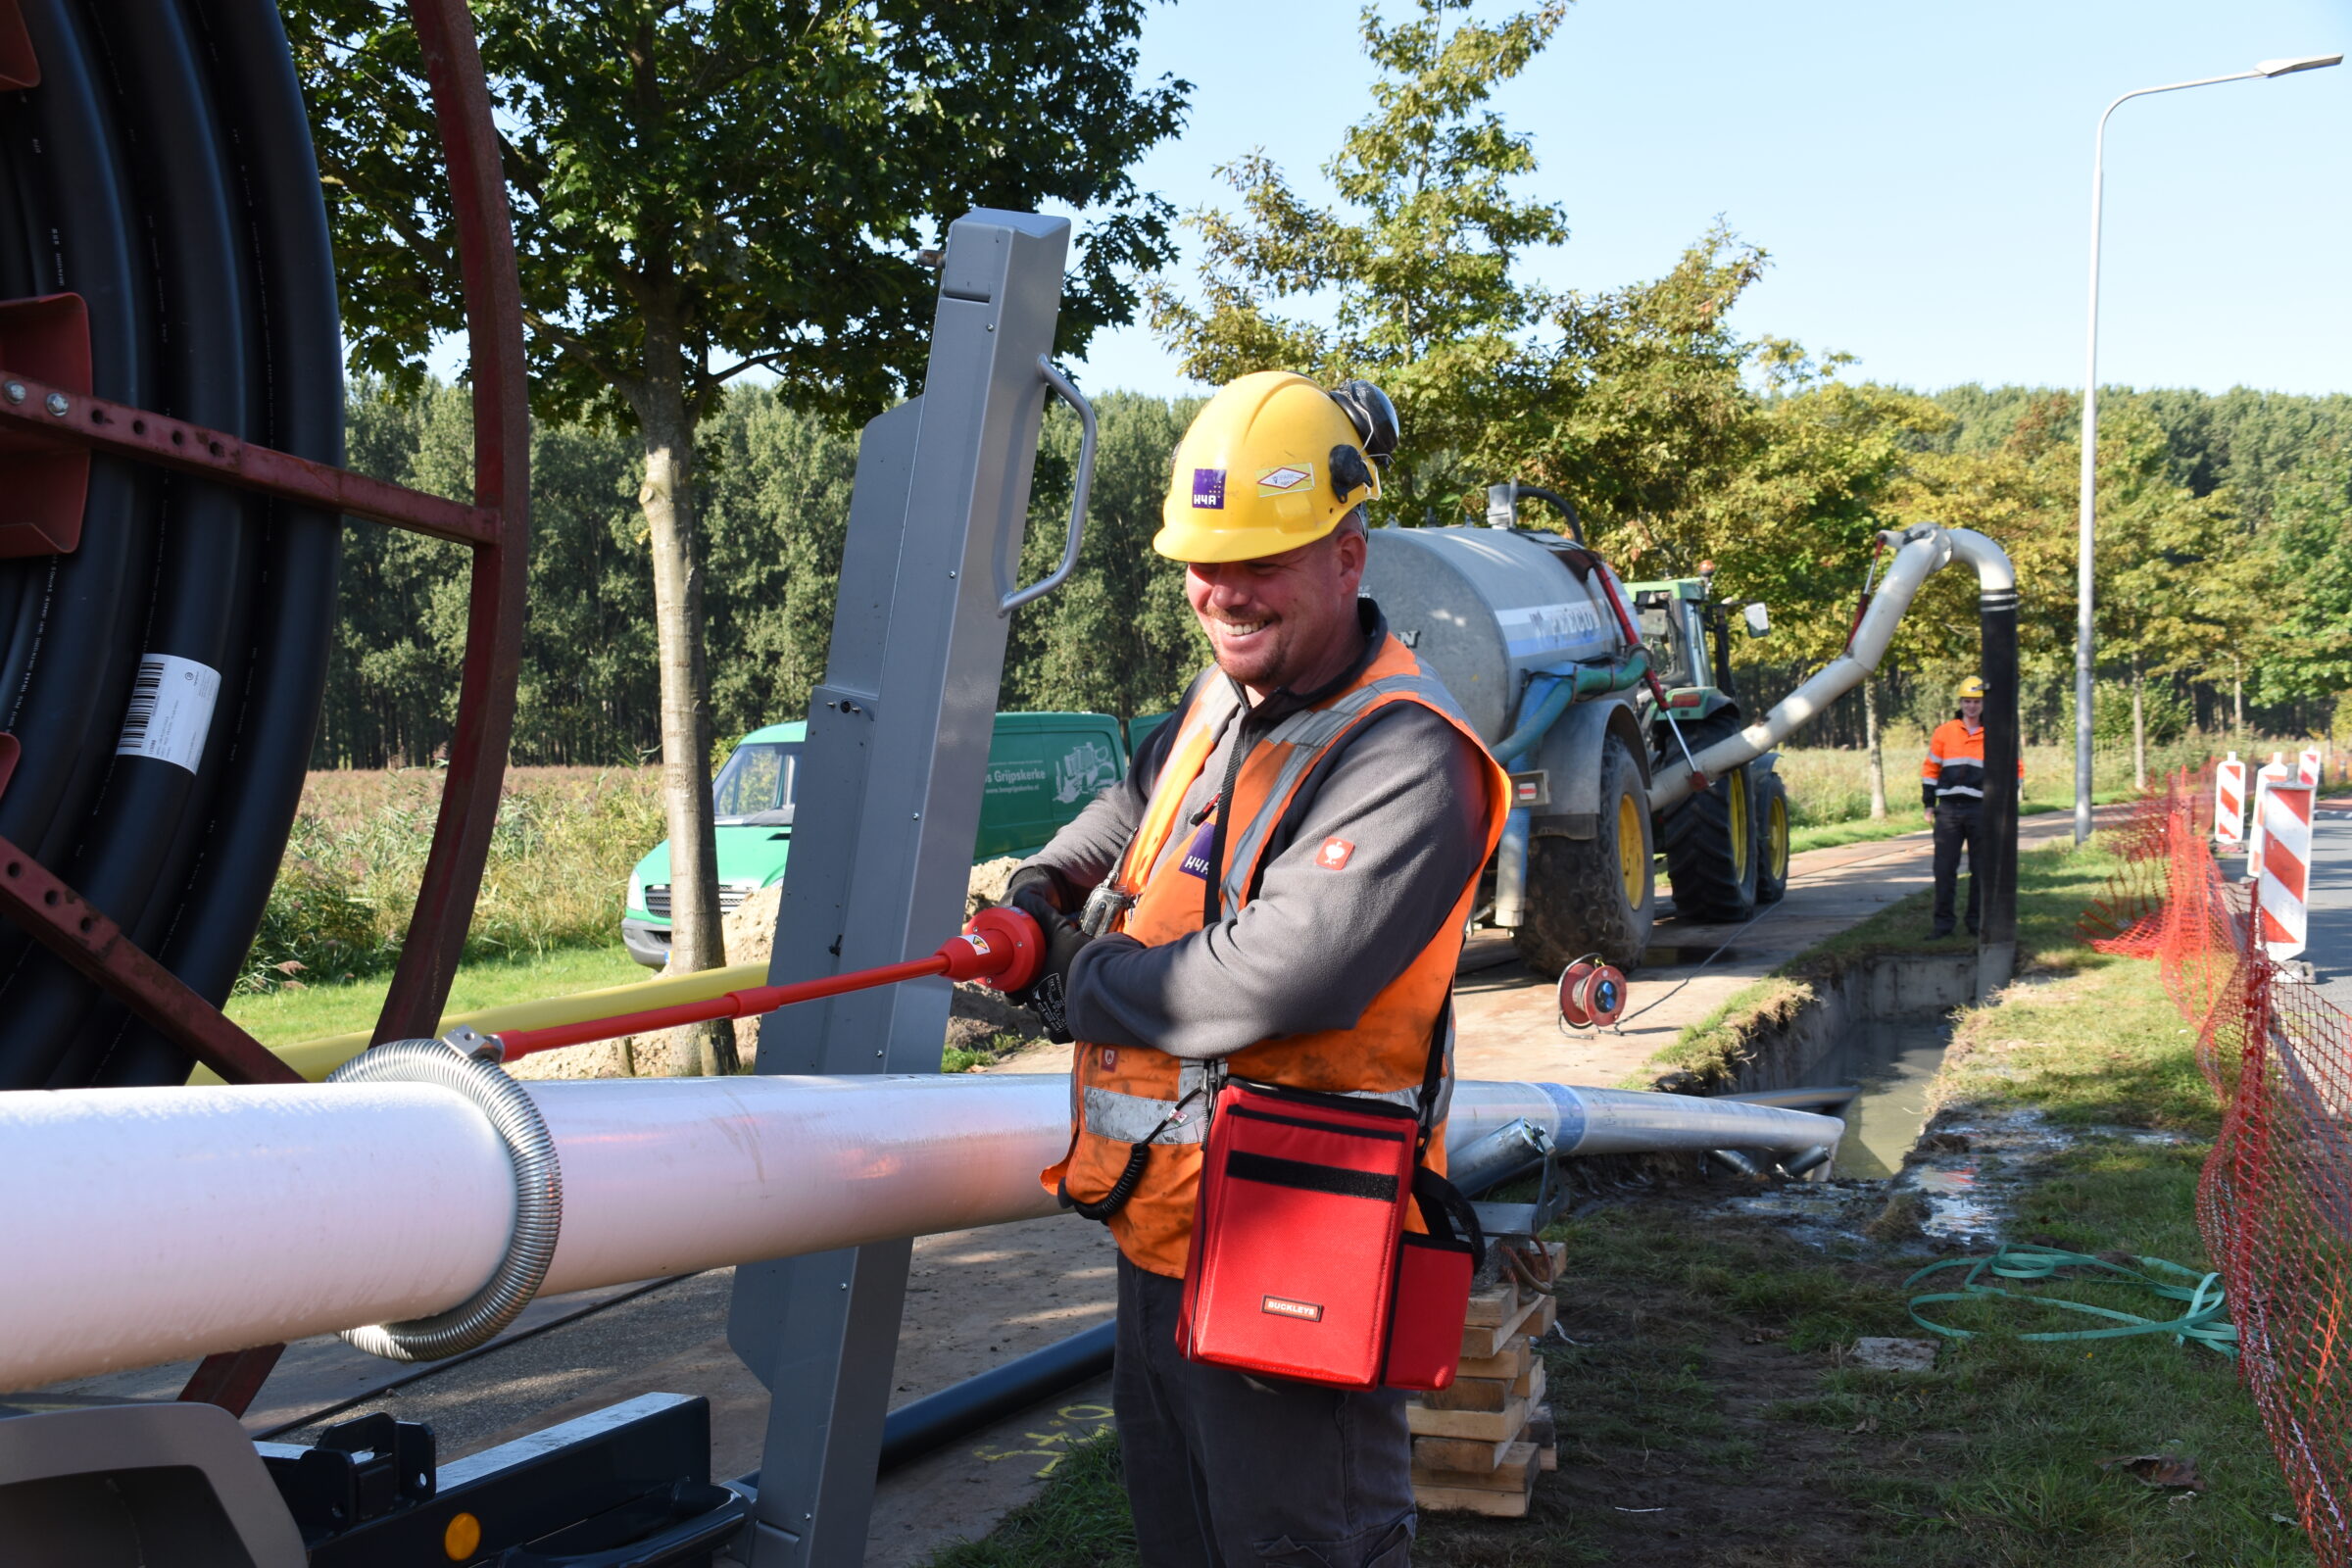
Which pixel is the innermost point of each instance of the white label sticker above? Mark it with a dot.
(171, 711)
(1547, 628)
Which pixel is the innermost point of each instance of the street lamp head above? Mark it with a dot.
(2286, 68)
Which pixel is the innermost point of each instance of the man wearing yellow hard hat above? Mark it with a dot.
(1951, 788)
(1276, 892)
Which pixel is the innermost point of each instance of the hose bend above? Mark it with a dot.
(538, 1200)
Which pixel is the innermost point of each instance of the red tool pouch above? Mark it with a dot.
(1300, 1266)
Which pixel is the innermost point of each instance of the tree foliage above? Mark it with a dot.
(1413, 268)
(704, 188)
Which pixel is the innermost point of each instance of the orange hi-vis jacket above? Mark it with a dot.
(1127, 1096)
(1955, 763)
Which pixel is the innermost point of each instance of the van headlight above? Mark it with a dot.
(636, 893)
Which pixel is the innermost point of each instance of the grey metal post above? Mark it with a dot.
(887, 811)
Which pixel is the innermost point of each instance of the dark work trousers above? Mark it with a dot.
(1956, 818)
(1227, 1471)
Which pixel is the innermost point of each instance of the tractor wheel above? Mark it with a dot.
(1710, 844)
(1772, 839)
(1594, 895)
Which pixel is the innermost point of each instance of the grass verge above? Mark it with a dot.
(292, 1014)
(2053, 884)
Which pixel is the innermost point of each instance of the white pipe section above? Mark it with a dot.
(149, 1225)
(1922, 551)
(146, 1225)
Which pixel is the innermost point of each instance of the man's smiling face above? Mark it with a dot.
(1283, 621)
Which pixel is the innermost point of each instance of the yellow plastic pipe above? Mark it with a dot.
(315, 1058)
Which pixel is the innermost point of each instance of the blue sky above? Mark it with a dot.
(1920, 172)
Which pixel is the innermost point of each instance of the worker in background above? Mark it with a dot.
(1277, 890)
(1952, 787)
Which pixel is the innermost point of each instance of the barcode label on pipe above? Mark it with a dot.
(171, 711)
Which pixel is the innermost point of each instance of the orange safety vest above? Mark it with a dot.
(1125, 1096)
(1955, 761)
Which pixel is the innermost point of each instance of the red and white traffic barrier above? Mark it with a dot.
(2273, 771)
(2230, 802)
(2307, 766)
(2284, 882)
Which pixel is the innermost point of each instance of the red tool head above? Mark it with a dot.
(1001, 949)
(1592, 993)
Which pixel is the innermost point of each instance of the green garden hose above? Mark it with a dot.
(2205, 1322)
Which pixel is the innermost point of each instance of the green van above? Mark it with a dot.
(1042, 768)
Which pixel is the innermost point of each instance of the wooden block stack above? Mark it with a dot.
(1479, 1444)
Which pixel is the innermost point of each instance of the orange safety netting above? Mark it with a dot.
(2275, 1203)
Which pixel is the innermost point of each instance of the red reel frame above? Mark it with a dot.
(495, 527)
(1592, 993)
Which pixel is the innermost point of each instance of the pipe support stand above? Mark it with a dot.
(538, 1197)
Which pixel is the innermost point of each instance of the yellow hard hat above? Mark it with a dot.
(1274, 462)
(1974, 686)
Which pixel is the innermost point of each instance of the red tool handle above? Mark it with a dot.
(1001, 948)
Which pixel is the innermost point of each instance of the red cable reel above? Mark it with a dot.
(1591, 993)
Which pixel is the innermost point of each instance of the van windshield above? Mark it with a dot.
(756, 785)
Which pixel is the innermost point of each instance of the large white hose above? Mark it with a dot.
(149, 1225)
(1922, 551)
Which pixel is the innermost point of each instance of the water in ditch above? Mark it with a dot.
(1894, 1060)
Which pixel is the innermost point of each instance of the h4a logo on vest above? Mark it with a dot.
(1334, 854)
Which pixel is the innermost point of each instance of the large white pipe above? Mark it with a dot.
(148, 1225)
(1922, 551)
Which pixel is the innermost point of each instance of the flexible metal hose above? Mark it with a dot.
(538, 1198)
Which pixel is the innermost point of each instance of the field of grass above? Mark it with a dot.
(1828, 786)
(559, 858)
(1710, 1408)
(289, 1015)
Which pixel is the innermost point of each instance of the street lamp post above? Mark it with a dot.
(2090, 419)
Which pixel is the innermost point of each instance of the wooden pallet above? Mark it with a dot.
(1479, 1443)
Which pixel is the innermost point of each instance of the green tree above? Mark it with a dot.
(2303, 580)
(706, 189)
(1119, 637)
(1415, 265)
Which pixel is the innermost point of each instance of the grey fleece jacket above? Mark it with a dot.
(1315, 944)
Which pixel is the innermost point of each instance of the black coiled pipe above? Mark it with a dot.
(163, 171)
(206, 543)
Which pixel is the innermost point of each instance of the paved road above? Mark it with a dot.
(2329, 935)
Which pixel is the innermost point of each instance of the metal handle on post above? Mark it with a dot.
(1059, 385)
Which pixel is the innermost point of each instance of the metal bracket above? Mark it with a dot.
(43, 341)
(19, 66)
(1061, 385)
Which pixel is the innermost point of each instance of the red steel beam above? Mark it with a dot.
(502, 459)
(57, 917)
(52, 415)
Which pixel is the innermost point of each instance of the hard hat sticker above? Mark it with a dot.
(1289, 480)
(1208, 489)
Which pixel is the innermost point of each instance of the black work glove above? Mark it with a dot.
(1047, 995)
(1047, 885)
(1927, 797)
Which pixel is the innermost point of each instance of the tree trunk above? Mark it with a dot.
(667, 501)
(2237, 708)
(2139, 727)
(1869, 738)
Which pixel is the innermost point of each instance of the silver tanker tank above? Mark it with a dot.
(1483, 608)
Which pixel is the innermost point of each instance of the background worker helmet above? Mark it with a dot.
(1974, 686)
(1274, 462)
